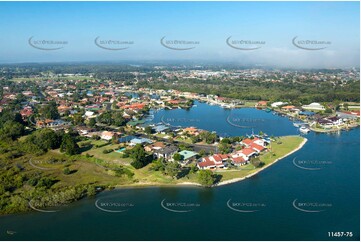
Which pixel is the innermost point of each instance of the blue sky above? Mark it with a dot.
(208, 23)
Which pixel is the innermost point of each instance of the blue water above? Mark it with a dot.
(120, 150)
(214, 118)
(270, 192)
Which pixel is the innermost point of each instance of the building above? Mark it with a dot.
(188, 156)
(262, 104)
(277, 104)
(141, 141)
(155, 146)
(107, 135)
(239, 161)
(288, 108)
(214, 161)
(313, 106)
(160, 128)
(191, 130)
(166, 152)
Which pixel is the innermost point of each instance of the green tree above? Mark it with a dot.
(177, 157)
(206, 178)
(78, 119)
(345, 106)
(202, 153)
(148, 130)
(12, 129)
(66, 171)
(69, 145)
(92, 122)
(50, 111)
(172, 169)
(45, 139)
(328, 110)
(139, 156)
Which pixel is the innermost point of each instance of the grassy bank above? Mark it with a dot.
(43, 180)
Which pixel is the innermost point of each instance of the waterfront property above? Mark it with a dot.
(252, 147)
(166, 153)
(314, 106)
(188, 156)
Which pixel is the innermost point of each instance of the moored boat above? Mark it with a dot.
(304, 130)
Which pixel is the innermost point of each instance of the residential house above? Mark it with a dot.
(141, 141)
(314, 106)
(107, 135)
(239, 161)
(166, 152)
(160, 128)
(214, 161)
(188, 156)
(288, 108)
(155, 146)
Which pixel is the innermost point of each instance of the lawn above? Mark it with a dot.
(113, 157)
(187, 140)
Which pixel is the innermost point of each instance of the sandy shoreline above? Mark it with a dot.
(185, 184)
(155, 184)
(250, 175)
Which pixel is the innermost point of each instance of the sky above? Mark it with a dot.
(280, 31)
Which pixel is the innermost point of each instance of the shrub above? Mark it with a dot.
(66, 171)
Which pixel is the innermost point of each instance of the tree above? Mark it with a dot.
(177, 157)
(139, 156)
(256, 162)
(115, 139)
(224, 148)
(50, 111)
(194, 139)
(112, 118)
(345, 106)
(137, 164)
(92, 122)
(66, 171)
(78, 119)
(117, 119)
(206, 178)
(45, 139)
(193, 169)
(202, 153)
(148, 130)
(105, 118)
(208, 137)
(12, 129)
(172, 169)
(225, 141)
(69, 146)
(328, 110)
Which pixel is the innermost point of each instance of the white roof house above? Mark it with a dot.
(89, 113)
(314, 106)
(276, 104)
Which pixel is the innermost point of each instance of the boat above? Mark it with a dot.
(10, 232)
(304, 130)
(298, 124)
(268, 110)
